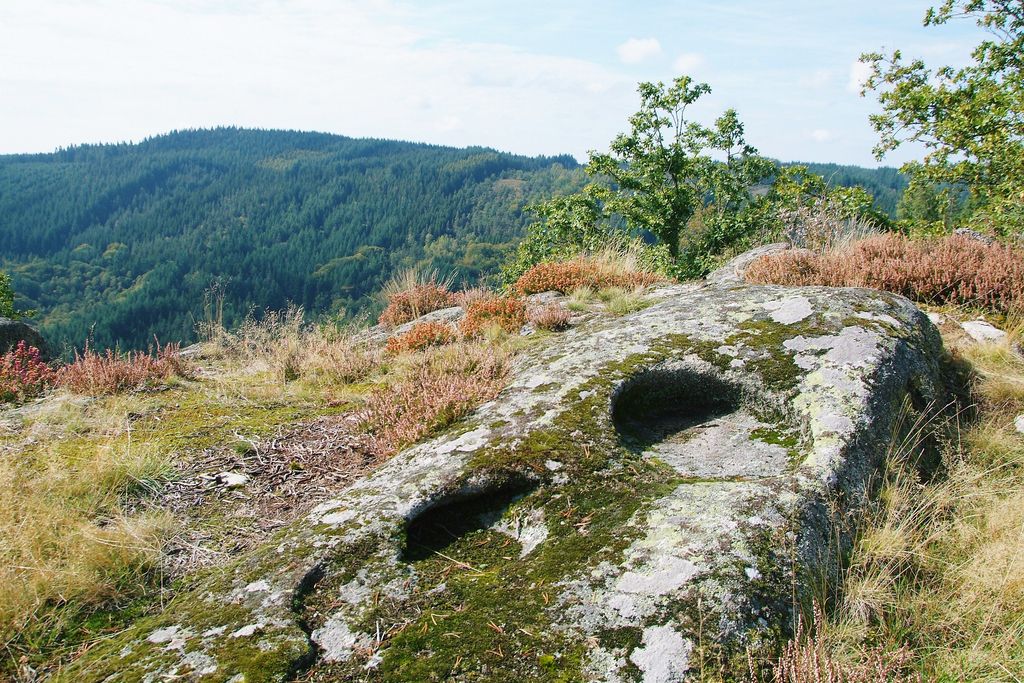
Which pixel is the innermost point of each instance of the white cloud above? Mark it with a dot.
(819, 78)
(859, 73)
(636, 50)
(687, 62)
(113, 70)
(821, 135)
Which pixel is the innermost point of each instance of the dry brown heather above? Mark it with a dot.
(420, 336)
(553, 317)
(948, 270)
(410, 295)
(607, 269)
(95, 374)
(505, 313)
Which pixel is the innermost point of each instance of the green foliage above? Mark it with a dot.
(970, 119)
(662, 169)
(657, 179)
(7, 309)
(125, 239)
(885, 183)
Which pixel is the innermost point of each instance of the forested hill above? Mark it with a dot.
(123, 240)
(886, 184)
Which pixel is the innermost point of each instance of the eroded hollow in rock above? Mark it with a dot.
(662, 402)
(442, 525)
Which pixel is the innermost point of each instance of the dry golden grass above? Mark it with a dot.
(938, 570)
(67, 544)
(283, 344)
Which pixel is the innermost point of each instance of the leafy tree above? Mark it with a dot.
(668, 176)
(663, 171)
(7, 309)
(971, 119)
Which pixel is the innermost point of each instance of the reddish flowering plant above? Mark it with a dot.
(508, 313)
(421, 336)
(23, 374)
(568, 276)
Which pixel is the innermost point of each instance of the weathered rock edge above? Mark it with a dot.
(695, 559)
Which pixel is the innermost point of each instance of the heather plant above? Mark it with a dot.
(504, 312)
(949, 270)
(421, 336)
(605, 269)
(23, 374)
(410, 296)
(96, 374)
(438, 388)
(553, 318)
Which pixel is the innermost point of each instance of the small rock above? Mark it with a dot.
(733, 270)
(232, 480)
(973, 235)
(14, 331)
(1019, 423)
(981, 331)
(936, 318)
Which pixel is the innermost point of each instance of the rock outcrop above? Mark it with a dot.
(648, 496)
(14, 331)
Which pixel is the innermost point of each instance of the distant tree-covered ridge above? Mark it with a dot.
(121, 242)
(886, 184)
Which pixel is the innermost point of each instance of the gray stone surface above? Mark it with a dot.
(983, 332)
(732, 271)
(14, 331)
(743, 425)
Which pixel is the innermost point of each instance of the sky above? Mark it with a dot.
(524, 76)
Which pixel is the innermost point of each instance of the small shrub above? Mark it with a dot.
(441, 387)
(421, 336)
(96, 374)
(953, 270)
(504, 312)
(596, 272)
(409, 297)
(23, 374)
(552, 317)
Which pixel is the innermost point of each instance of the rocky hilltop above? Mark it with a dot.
(650, 497)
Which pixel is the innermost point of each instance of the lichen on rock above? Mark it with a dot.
(645, 495)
